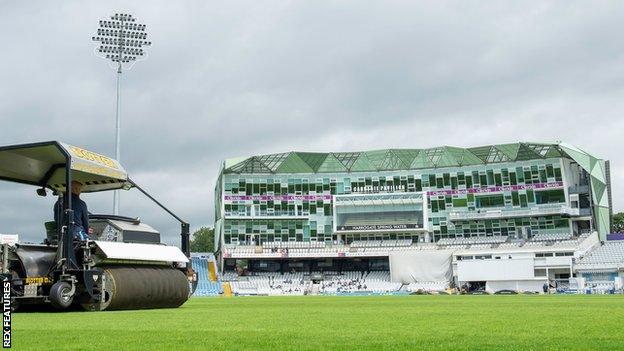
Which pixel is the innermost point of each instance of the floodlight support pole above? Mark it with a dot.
(117, 193)
(120, 41)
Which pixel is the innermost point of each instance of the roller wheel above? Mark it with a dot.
(105, 295)
(15, 304)
(140, 287)
(59, 295)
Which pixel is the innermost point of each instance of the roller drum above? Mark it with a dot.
(129, 288)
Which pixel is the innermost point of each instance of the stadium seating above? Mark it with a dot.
(313, 248)
(205, 287)
(271, 284)
(552, 237)
(600, 287)
(510, 245)
(376, 282)
(382, 243)
(427, 286)
(477, 240)
(556, 240)
(229, 276)
(377, 218)
(611, 253)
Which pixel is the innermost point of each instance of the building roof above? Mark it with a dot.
(396, 159)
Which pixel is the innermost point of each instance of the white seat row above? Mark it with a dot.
(427, 286)
(382, 243)
(552, 237)
(293, 244)
(508, 245)
(473, 240)
(608, 253)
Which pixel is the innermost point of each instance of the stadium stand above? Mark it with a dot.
(205, 287)
(427, 286)
(382, 243)
(377, 218)
(580, 252)
(271, 284)
(377, 282)
(320, 249)
(611, 254)
(510, 245)
(552, 237)
(384, 247)
(262, 283)
(473, 240)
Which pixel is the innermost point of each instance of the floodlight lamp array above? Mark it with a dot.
(121, 39)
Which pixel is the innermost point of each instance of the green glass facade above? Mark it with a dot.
(509, 190)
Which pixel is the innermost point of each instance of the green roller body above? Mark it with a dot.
(141, 287)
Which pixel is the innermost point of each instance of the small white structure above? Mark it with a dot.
(522, 268)
(10, 239)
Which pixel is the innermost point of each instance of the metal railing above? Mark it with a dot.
(543, 210)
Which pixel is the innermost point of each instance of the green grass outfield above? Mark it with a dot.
(339, 323)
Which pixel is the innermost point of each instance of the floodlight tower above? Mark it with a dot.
(122, 42)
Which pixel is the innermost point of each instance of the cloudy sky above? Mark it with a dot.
(226, 79)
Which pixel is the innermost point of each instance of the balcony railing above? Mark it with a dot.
(544, 210)
(267, 215)
(579, 189)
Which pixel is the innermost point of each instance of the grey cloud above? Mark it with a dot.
(240, 78)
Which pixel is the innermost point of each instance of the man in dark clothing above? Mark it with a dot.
(81, 214)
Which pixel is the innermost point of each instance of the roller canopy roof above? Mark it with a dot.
(43, 164)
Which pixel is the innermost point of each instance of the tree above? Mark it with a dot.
(202, 240)
(618, 222)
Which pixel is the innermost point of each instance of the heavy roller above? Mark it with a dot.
(121, 265)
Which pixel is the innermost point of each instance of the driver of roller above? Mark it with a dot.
(81, 214)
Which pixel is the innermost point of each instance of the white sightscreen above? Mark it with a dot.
(482, 270)
(515, 285)
(421, 266)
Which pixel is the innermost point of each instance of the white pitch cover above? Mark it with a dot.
(141, 252)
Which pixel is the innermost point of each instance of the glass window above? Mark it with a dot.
(561, 223)
(542, 176)
(558, 174)
(512, 178)
(460, 202)
(490, 177)
(515, 198)
(523, 200)
(434, 205)
(439, 183)
(327, 209)
(485, 201)
(530, 196)
(549, 196)
(418, 183)
(498, 180)
(520, 174)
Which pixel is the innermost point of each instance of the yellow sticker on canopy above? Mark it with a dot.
(97, 169)
(93, 157)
